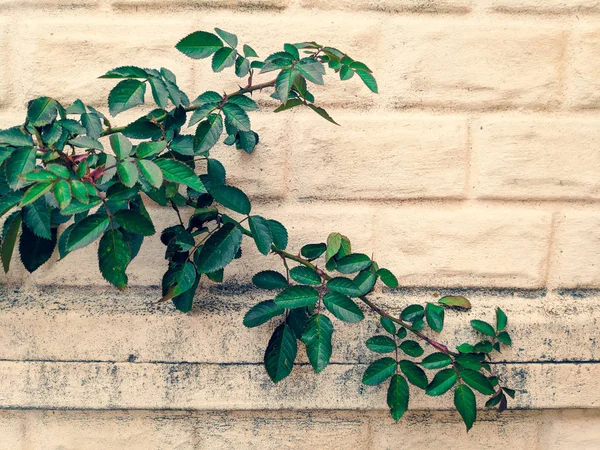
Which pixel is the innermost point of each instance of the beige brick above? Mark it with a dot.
(470, 65)
(93, 385)
(432, 431)
(545, 6)
(12, 428)
(575, 250)
(4, 74)
(71, 54)
(525, 158)
(178, 5)
(571, 429)
(498, 247)
(372, 157)
(416, 6)
(582, 88)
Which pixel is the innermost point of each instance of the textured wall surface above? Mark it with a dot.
(475, 171)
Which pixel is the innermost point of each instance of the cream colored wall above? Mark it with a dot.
(476, 170)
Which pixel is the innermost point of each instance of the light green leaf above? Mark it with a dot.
(297, 297)
(120, 145)
(261, 233)
(151, 172)
(79, 191)
(229, 38)
(317, 338)
(62, 192)
(455, 301)
(312, 70)
(342, 307)
(281, 353)
(284, 83)
(35, 192)
(334, 243)
(15, 136)
(21, 161)
(201, 113)
(379, 371)
(180, 173)
(232, 198)
(86, 142)
(113, 257)
(262, 313)
(128, 172)
(249, 52)
(145, 149)
(58, 170)
(126, 95)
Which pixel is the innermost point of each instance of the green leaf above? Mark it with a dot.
(365, 281)
(179, 279)
(160, 91)
(411, 348)
(208, 133)
(469, 361)
(145, 149)
(455, 301)
(297, 297)
(60, 171)
(87, 231)
(317, 338)
(262, 313)
(305, 275)
(379, 371)
(334, 243)
(126, 72)
(15, 136)
(229, 38)
(216, 172)
(435, 316)
(113, 257)
(381, 344)
(281, 353)
(151, 172)
(244, 102)
(19, 163)
(269, 279)
(184, 301)
(279, 233)
(352, 263)
(219, 249)
(401, 332)
(9, 201)
(79, 191)
(35, 192)
(232, 198)
(261, 234)
(442, 382)
(504, 337)
(312, 70)
(86, 142)
(388, 325)
(77, 207)
(501, 319)
(39, 175)
(388, 278)
(92, 124)
(128, 172)
(313, 251)
(464, 400)
(134, 222)
(121, 146)
(249, 52)
(242, 66)
(436, 361)
(62, 192)
(477, 381)
(224, 57)
(397, 396)
(346, 73)
(236, 116)
(483, 327)
(465, 348)
(180, 173)
(412, 313)
(343, 286)
(414, 373)
(201, 113)
(324, 114)
(199, 45)
(41, 111)
(368, 79)
(34, 250)
(126, 95)
(208, 97)
(284, 82)
(342, 307)
(9, 239)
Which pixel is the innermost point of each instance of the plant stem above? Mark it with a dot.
(189, 108)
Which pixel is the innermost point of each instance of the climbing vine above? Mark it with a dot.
(61, 189)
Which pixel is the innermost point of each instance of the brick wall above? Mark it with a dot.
(475, 171)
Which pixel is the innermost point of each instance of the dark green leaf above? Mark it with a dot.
(379, 371)
(281, 353)
(388, 278)
(297, 297)
(262, 313)
(483, 327)
(15, 136)
(269, 279)
(216, 172)
(279, 233)
(388, 325)
(397, 396)
(208, 133)
(180, 173)
(442, 382)
(114, 255)
(324, 114)
(313, 251)
(284, 82)
(352, 263)
(134, 222)
(236, 117)
(37, 218)
(368, 79)
(232, 198)
(179, 279)
(125, 95)
(9, 201)
(477, 381)
(436, 361)
(435, 316)
(342, 307)
(344, 286)
(199, 45)
(465, 403)
(504, 337)
(311, 69)
(261, 234)
(10, 233)
(35, 250)
(87, 231)
(412, 313)
(365, 281)
(381, 344)
(21, 161)
(317, 338)
(219, 249)
(469, 361)
(126, 72)
(305, 275)
(41, 111)
(414, 373)
(160, 92)
(244, 102)
(501, 319)
(224, 57)
(411, 348)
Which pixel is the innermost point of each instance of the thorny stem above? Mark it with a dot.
(437, 345)
(244, 90)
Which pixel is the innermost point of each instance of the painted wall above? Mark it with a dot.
(475, 171)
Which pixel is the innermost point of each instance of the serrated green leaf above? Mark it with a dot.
(414, 373)
(15, 136)
(201, 113)
(249, 52)
(279, 233)
(381, 344)
(86, 142)
(9, 201)
(199, 45)
(477, 381)
(379, 371)
(21, 161)
(464, 400)
(343, 307)
(41, 111)
(435, 317)
(269, 279)
(62, 193)
(180, 173)
(365, 281)
(398, 396)
(262, 313)
(79, 191)
(126, 95)
(281, 353)
(305, 275)
(160, 91)
(134, 222)
(436, 361)
(236, 116)
(145, 149)
(261, 233)
(230, 38)
(151, 172)
(11, 229)
(223, 58)
(219, 249)
(368, 79)
(208, 133)
(343, 286)
(114, 255)
(242, 66)
(324, 114)
(412, 348)
(58, 170)
(232, 198)
(284, 82)
(313, 251)
(442, 382)
(244, 102)
(126, 72)
(128, 172)
(120, 145)
(352, 263)
(469, 361)
(317, 338)
(297, 297)
(312, 70)
(87, 231)
(34, 250)
(346, 73)
(35, 192)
